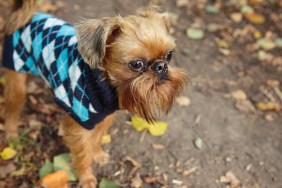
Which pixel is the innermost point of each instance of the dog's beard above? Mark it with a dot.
(147, 96)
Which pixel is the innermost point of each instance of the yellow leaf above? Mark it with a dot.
(106, 139)
(139, 124)
(158, 128)
(155, 129)
(8, 153)
(2, 80)
(255, 18)
(268, 106)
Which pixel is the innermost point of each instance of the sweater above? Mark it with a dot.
(47, 47)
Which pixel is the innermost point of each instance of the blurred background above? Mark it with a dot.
(225, 130)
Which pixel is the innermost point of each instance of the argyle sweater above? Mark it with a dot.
(47, 47)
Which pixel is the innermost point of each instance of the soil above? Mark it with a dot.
(247, 143)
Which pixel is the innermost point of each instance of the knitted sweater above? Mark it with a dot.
(47, 47)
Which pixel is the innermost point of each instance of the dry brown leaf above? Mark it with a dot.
(134, 163)
(183, 101)
(55, 180)
(245, 106)
(234, 180)
(32, 99)
(236, 17)
(230, 179)
(154, 179)
(136, 182)
(7, 169)
(239, 95)
(182, 3)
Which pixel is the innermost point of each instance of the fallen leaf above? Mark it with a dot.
(19, 172)
(269, 117)
(47, 168)
(236, 17)
(230, 179)
(246, 9)
(264, 56)
(212, 27)
(6, 169)
(198, 143)
(158, 146)
(278, 42)
(255, 2)
(181, 3)
(239, 95)
(234, 181)
(55, 180)
(255, 18)
(131, 165)
(8, 153)
(245, 106)
(268, 106)
(273, 83)
(211, 9)
(154, 179)
(136, 181)
(224, 51)
(257, 34)
(106, 183)
(157, 128)
(265, 43)
(177, 182)
(195, 34)
(183, 101)
(106, 139)
(221, 43)
(62, 162)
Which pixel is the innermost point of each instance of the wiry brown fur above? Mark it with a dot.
(108, 44)
(23, 11)
(145, 37)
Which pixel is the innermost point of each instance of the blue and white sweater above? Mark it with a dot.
(47, 47)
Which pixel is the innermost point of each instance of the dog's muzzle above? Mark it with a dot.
(160, 67)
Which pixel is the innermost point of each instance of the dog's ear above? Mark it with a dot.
(92, 36)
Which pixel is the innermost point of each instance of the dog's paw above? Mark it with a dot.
(101, 157)
(88, 181)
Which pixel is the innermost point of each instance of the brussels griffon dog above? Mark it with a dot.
(93, 69)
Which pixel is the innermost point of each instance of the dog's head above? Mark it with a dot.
(134, 53)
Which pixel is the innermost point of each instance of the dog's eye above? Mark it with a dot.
(137, 65)
(168, 56)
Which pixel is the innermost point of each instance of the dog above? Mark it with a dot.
(93, 69)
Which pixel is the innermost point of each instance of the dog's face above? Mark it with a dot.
(135, 53)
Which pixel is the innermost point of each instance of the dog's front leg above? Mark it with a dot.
(85, 147)
(100, 130)
(79, 141)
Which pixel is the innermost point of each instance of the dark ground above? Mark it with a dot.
(237, 138)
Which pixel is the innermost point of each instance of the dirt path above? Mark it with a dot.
(246, 142)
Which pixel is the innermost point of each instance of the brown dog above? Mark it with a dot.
(133, 54)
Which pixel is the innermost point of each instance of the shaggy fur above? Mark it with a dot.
(109, 44)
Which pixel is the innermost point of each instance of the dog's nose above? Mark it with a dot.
(160, 67)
